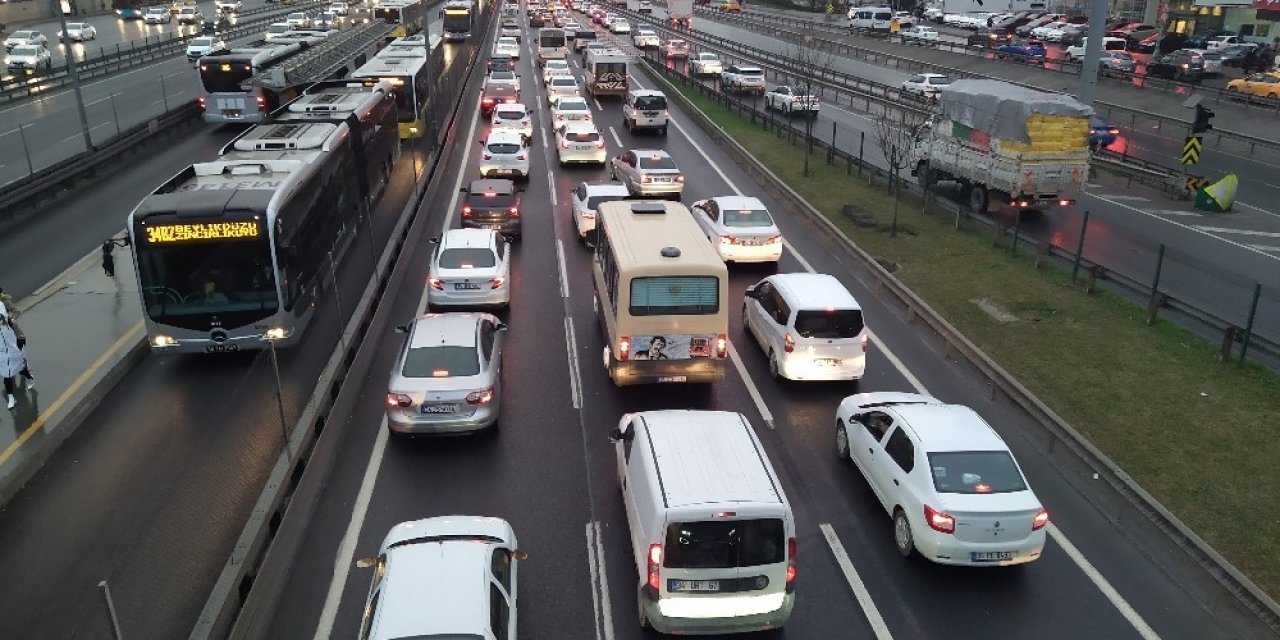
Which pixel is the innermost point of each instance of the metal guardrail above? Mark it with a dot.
(1137, 502)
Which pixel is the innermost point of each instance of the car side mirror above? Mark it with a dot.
(617, 435)
(402, 328)
(463, 190)
(435, 240)
(519, 554)
(366, 562)
(501, 326)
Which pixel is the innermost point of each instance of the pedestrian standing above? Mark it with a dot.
(109, 261)
(13, 361)
(1250, 59)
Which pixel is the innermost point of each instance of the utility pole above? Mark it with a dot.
(1092, 51)
(71, 68)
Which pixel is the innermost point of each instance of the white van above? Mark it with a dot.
(712, 533)
(870, 18)
(645, 109)
(808, 325)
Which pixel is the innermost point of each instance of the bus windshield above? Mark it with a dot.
(182, 284)
(389, 16)
(223, 77)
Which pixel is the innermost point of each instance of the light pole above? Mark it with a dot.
(62, 8)
(271, 336)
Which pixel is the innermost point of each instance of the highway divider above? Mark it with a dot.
(1061, 442)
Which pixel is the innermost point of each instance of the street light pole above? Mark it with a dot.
(1092, 51)
(71, 69)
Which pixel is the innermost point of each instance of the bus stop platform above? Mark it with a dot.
(84, 331)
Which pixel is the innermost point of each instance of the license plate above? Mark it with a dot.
(693, 585)
(221, 348)
(491, 225)
(583, 147)
(828, 362)
(466, 285)
(662, 179)
(439, 408)
(751, 242)
(673, 379)
(650, 114)
(990, 556)
(503, 172)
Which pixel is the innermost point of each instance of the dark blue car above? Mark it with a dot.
(1101, 133)
(1025, 50)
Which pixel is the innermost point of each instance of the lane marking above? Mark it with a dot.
(1265, 247)
(1260, 209)
(860, 590)
(1139, 198)
(80, 134)
(599, 582)
(616, 140)
(1103, 585)
(1188, 227)
(575, 378)
(551, 180)
(599, 106)
(1243, 232)
(751, 386)
(1176, 212)
(564, 272)
(37, 425)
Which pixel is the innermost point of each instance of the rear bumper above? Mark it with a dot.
(506, 227)
(663, 371)
(946, 549)
(748, 253)
(708, 626)
(443, 424)
(802, 366)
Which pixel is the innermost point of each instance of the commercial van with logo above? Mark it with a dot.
(712, 533)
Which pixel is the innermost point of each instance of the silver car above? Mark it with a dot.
(648, 172)
(447, 378)
(469, 268)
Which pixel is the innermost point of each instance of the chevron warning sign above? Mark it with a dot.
(1191, 150)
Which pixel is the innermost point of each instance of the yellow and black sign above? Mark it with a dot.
(202, 231)
(1191, 150)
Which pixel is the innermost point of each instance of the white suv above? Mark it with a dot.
(445, 575)
(505, 154)
(808, 325)
(645, 109)
(646, 39)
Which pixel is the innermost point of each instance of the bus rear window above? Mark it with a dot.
(724, 544)
(217, 80)
(675, 296)
(836, 323)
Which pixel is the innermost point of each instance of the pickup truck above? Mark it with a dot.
(791, 100)
(739, 78)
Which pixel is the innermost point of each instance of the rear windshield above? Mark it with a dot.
(440, 362)
(975, 472)
(940, 80)
(511, 115)
(658, 162)
(747, 218)
(468, 258)
(582, 136)
(724, 544)
(24, 51)
(572, 105)
(490, 201)
(504, 147)
(502, 75)
(563, 81)
(651, 103)
(838, 323)
(675, 295)
(202, 42)
(750, 72)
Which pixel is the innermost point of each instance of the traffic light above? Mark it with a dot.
(1203, 116)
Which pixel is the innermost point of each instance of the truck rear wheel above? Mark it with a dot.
(978, 199)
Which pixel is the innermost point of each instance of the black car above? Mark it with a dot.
(495, 94)
(501, 62)
(492, 204)
(989, 38)
(1179, 65)
(537, 21)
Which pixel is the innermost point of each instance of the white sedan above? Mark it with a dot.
(926, 85)
(513, 117)
(561, 87)
(740, 228)
(587, 198)
(570, 109)
(952, 488)
(298, 20)
(470, 268)
(706, 64)
(509, 46)
(505, 155)
(553, 68)
(580, 142)
(28, 56)
(79, 32)
(646, 39)
(919, 34)
(620, 26)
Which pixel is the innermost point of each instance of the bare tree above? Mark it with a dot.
(896, 134)
(808, 66)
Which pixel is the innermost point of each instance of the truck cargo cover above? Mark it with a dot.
(1001, 109)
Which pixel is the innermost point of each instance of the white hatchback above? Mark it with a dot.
(470, 268)
(509, 46)
(505, 155)
(561, 87)
(620, 26)
(740, 228)
(580, 142)
(570, 109)
(586, 199)
(954, 491)
(512, 117)
(646, 39)
(808, 325)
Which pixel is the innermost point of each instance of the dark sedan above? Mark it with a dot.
(1101, 133)
(1030, 50)
(497, 93)
(1179, 65)
(989, 38)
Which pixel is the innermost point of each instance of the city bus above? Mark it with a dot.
(406, 65)
(552, 45)
(409, 16)
(223, 78)
(457, 20)
(661, 295)
(237, 252)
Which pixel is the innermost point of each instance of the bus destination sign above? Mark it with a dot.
(202, 231)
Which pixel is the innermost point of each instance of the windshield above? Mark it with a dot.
(829, 323)
(675, 295)
(440, 362)
(278, 28)
(220, 77)
(724, 544)
(747, 218)
(942, 80)
(202, 42)
(24, 51)
(466, 258)
(975, 472)
(561, 82)
(656, 162)
(185, 282)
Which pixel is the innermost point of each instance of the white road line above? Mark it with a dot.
(616, 139)
(13, 130)
(551, 187)
(1265, 247)
(575, 378)
(466, 156)
(796, 254)
(1103, 585)
(346, 549)
(751, 387)
(1176, 212)
(897, 364)
(599, 106)
(1243, 232)
(1140, 198)
(599, 582)
(855, 582)
(81, 134)
(564, 272)
(1184, 226)
(1259, 209)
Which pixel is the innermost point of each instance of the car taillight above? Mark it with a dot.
(487, 100)
(788, 343)
(791, 561)
(262, 103)
(624, 347)
(1113, 131)
(511, 100)
(515, 212)
(722, 345)
(560, 116)
(600, 143)
(522, 156)
(1066, 203)
(775, 239)
(496, 282)
(865, 340)
(1039, 520)
(655, 565)
(436, 284)
(398, 400)
(939, 520)
(679, 178)
(565, 144)
(645, 179)
(480, 397)
(466, 212)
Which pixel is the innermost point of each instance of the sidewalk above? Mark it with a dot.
(84, 330)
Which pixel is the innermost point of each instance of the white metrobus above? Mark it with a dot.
(661, 295)
(553, 44)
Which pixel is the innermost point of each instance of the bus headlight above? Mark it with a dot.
(160, 341)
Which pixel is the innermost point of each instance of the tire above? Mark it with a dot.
(978, 200)
(1233, 89)
(842, 441)
(773, 367)
(902, 538)
(644, 621)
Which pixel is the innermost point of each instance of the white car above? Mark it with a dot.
(505, 155)
(1043, 30)
(1076, 51)
(570, 109)
(444, 577)
(705, 64)
(469, 268)
(497, 77)
(949, 482)
(326, 20)
(513, 117)
(740, 228)
(586, 200)
(79, 32)
(509, 46)
(277, 30)
(204, 46)
(189, 15)
(561, 87)
(27, 37)
(553, 68)
(339, 8)
(298, 20)
(157, 15)
(808, 325)
(926, 85)
(919, 34)
(1218, 43)
(646, 39)
(28, 56)
(580, 142)
(228, 6)
(620, 26)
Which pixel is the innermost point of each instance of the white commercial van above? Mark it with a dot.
(712, 533)
(870, 18)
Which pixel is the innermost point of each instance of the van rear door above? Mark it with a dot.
(725, 557)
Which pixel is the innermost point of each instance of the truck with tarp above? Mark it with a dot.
(1006, 146)
(680, 13)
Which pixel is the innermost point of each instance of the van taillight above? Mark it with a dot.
(722, 345)
(624, 349)
(262, 103)
(791, 562)
(864, 343)
(788, 343)
(655, 564)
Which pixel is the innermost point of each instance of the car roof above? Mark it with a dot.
(468, 238)
(454, 329)
(511, 106)
(435, 588)
(717, 466)
(949, 427)
(934, 75)
(809, 291)
(503, 136)
(738, 202)
(650, 152)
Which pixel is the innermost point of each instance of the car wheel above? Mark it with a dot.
(902, 533)
(1231, 89)
(842, 441)
(663, 131)
(644, 621)
(773, 366)
(1272, 95)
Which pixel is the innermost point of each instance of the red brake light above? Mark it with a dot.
(515, 211)
(788, 343)
(679, 178)
(938, 520)
(522, 156)
(722, 345)
(466, 212)
(624, 352)
(791, 560)
(480, 397)
(655, 564)
(485, 156)
(398, 400)
(1039, 520)
(436, 284)
(864, 343)
(1066, 203)
(497, 282)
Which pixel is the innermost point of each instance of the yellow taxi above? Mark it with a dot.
(1259, 84)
